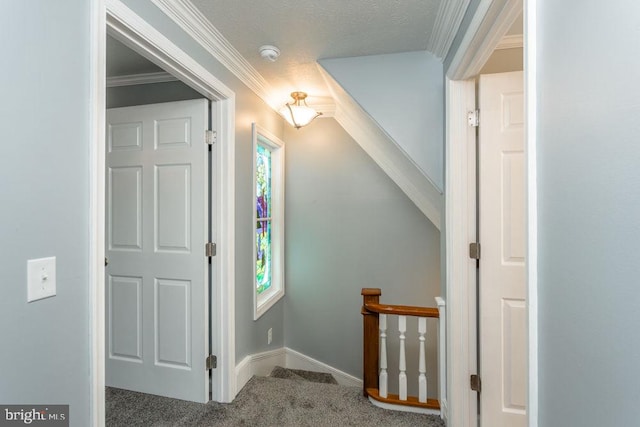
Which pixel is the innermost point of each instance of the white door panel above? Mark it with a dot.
(157, 224)
(503, 336)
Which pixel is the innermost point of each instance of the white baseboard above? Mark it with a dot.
(296, 360)
(258, 364)
(444, 410)
(263, 363)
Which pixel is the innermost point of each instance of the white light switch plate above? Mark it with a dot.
(41, 278)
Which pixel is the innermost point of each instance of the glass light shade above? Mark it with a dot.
(298, 114)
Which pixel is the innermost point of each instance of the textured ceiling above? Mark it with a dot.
(305, 31)
(308, 30)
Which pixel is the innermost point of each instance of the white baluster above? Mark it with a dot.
(402, 378)
(422, 378)
(383, 380)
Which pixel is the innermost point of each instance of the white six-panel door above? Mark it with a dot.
(156, 228)
(503, 314)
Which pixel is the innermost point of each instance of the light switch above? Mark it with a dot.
(41, 278)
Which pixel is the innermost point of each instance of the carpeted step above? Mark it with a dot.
(300, 375)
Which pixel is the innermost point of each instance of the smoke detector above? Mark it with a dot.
(269, 53)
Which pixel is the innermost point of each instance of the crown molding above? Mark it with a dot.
(189, 18)
(511, 42)
(491, 21)
(196, 25)
(450, 14)
(324, 105)
(140, 79)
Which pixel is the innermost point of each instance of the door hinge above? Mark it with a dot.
(473, 117)
(475, 383)
(211, 137)
(211, 362)
(474, 250)
(210, 249)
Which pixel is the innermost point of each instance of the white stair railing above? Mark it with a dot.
(375, 379)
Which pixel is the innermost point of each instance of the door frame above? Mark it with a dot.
(118, 20)
(490, 21)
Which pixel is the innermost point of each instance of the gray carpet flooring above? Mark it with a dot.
(287, 398)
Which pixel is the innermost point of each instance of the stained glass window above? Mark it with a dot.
(263, 219)
(268, 220)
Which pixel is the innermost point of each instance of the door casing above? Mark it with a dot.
(122, 23)
(490, 22)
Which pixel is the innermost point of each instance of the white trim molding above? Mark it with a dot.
(263, 363)
(491, 21)
(135, 33)
(324, 105)
(442, 356)
(460, 269)
(531, 108)
(448, 20)
(297, 360)
(126, 26)
(386, 152)
(514, 41)
(140, 79)
(259, 364)
(489, 24)
(96, 147)
(187, 16)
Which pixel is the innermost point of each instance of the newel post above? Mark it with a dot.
(371, 336)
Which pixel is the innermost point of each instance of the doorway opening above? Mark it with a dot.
(486, 30)
(119, 22)
(158, 222)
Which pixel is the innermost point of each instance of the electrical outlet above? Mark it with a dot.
(269, 335)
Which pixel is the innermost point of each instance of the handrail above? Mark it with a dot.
(402, 310)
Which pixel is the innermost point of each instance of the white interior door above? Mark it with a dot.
(503, 312)
(156, 228)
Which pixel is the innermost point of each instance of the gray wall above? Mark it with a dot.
(349, 227)
(44, 176)
(588, 210)
(152, 93)
(404, 94)
(251, 337)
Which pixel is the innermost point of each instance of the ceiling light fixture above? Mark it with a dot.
(298, 114)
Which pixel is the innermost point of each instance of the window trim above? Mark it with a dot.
(263, 302)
